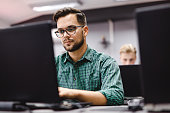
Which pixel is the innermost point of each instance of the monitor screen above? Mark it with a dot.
(27, 66)
(153, 25)
(131, 78)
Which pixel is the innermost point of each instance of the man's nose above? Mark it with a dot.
(127, 62)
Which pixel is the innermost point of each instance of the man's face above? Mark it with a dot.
(71, 42)
(128, 58)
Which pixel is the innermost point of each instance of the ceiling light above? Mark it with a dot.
(120, 0)
(55, 7)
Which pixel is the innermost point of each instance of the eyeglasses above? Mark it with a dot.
(70, 30)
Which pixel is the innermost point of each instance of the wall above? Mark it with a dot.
(3, 25)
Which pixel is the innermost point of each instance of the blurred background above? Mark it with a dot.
(111, 22)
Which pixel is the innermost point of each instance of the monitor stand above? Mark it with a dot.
(22, 106)
(12, 106)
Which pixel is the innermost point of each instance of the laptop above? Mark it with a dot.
(153, 25)
(131, 78)
(27, 65)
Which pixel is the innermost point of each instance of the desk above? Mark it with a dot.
(91, 109)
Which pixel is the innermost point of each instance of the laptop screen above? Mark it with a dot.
(153, 25)
(27, 66)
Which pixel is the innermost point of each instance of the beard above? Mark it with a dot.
(75, 47)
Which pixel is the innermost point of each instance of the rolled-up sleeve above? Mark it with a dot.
(112, 87)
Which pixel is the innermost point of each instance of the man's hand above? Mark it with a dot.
(67, 93)
(96, 98)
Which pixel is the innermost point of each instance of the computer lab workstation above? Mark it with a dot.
(28, 81)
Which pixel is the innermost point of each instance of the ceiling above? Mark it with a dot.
(16, 11)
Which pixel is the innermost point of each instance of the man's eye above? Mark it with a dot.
(70, 29)
(61, 31)
(131, 60)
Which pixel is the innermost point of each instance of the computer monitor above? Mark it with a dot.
(27, 65)
(153, 25)
(131, 78)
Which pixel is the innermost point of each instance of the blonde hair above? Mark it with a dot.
(127, 48)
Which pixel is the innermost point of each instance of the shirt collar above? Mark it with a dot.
(87, 55)
(67, 57)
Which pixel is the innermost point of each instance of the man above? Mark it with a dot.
(127, 54)
(84, 74)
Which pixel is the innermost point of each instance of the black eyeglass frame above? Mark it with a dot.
(66, 30)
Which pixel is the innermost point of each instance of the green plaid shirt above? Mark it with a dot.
(93, 72)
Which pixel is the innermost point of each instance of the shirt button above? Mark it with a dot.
(74, 78)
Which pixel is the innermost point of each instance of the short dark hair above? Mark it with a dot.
(81, 18)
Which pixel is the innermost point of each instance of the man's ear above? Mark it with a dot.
(85, 30)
